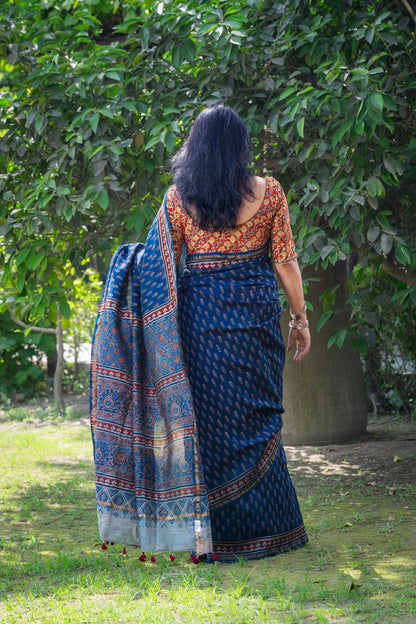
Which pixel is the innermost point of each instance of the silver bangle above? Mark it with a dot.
(293, 325)
(297, 317)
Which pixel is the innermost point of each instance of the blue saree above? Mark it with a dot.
(186, 404)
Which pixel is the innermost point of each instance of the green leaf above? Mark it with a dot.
(300, 127)
(375, 187)
(176, 57)
(287, 93)
(326, 316)
(170, 141)
(326, 251)
(102, 199)
(341, 131)
(93, 121)
(372, 318)
(391, 164)
(65, 309)
(114, 76)
(38, 123)
(376, 101)
(339, 338)
(373, 233)
(21, 281)
(145, 34)
(403, 255)
(386, 243)
(22, 255)
(360, 344)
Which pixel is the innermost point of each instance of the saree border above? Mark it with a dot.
(232, 490)
(262, 547)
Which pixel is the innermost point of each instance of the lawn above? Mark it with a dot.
(359, 507)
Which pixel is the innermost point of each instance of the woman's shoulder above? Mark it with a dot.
(274, 194)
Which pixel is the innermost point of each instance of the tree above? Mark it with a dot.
(96, 96)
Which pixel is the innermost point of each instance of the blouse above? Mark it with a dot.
(271, 223)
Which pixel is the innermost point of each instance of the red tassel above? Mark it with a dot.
(214, 557)
(111, 543)
(124, 550)
(172, 557)
(104, 546)
(142, 558)
(152, 559)
(194, 559)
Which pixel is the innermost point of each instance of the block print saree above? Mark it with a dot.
(186, 404)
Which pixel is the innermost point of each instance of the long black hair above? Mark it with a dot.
(211, 170)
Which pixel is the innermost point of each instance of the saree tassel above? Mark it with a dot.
(142, 558)
(194, 559)
(124, 550)
(111, 543)
(152, 559)
(214, 557)
(104, 546)
(172, 557)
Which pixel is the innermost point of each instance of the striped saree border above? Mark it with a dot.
(212, 261)
(262, 547)
(232, 490)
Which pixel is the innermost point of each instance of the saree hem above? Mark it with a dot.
(263, 547)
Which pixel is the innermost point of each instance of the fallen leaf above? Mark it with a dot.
(372, 483)
(390, 519)
(354, 586)
(397, 458)
(344, 493)
(391, 490)
(347, 524)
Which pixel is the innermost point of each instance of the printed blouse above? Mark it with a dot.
(270, 223)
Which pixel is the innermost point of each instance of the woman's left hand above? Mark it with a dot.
(302, 337)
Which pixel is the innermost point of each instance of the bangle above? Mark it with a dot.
(293, 325)
(297, 317)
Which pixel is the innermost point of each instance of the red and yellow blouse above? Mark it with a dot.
(270, 223)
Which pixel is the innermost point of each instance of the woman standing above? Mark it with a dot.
(234, 227)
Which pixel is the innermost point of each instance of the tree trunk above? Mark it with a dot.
(57, 380)
(324, 395)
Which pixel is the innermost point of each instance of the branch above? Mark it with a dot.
(398, 272)
(44, 330)
(409, 8)
(392, 268)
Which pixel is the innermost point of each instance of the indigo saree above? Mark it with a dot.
(186, 404)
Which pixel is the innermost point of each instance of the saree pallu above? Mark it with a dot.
(229, 320)
(150, 490)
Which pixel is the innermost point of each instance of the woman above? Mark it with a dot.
(213, 372)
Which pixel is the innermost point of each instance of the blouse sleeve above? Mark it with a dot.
(174, 204)
(283, 247)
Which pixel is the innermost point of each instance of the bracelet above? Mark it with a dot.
(297, 317)
(293, 325)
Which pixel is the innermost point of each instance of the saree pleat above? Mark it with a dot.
(229, 320)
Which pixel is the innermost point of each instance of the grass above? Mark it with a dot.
(358, 568)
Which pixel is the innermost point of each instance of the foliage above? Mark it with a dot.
(96, 96)
(385, 332)
(20, 356)
(84, 306)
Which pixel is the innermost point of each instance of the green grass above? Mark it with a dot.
(358, 568)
